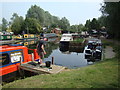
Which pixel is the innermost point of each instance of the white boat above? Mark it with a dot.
(93, 50)
(66, 38)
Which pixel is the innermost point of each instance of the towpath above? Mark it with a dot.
(109, 53)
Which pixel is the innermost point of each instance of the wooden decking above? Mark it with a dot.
(34, 67)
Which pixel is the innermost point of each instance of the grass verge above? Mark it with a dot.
(79, 40)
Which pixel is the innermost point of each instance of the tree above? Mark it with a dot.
(95, 24)
(37, 13)
(102, 21)
(31, 25)
(112, 12)
(17, 22)
(77, 28)
(0, 27)
(88, 25)
(81, 27)
(46, 19)
(64, 24)
(74, 28)
(4, 24)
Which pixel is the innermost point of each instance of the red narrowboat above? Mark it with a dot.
(10, 58)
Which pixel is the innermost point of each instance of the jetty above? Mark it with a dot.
(32, 66)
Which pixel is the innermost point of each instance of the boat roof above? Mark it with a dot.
(94, 40)
(8, 48)
(67, 34)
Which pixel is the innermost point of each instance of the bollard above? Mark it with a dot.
(52, 60)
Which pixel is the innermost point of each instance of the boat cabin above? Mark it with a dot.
(66, 38)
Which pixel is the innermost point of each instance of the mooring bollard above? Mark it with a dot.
(52, 60)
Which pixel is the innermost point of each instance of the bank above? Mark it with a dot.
(100, 75)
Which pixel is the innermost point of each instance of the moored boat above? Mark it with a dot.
(11, 56)
(66, 38)
(26, 37)
(6, 37)
(93, 50)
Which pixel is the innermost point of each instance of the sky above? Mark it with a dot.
(77, 12)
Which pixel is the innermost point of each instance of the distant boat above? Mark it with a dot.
(6, 37)
(66, 38)
(26, 37)
(50, 35)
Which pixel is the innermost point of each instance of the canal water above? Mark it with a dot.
(64, 55)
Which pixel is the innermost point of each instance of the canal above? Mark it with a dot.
(64, 55)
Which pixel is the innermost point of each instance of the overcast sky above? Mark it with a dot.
(76, 11)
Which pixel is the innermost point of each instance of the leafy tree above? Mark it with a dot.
(4, 24)
(112, 12)
(55, 20)
(95, 24)
(53, 26)
(81, 27)
(46, 19)
(74, 28)
(17, 22)
(88, 25)
(37, 13)
(0, 27)
(31, 25)
(64, 24)
(77, 28)
(102, 21)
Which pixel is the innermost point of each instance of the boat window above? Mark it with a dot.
(4, 59)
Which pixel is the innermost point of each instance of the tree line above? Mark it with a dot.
(36, 18)
(111, 18)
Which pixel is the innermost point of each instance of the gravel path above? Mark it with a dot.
(109, 52)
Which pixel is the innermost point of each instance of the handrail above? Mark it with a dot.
(31, 49)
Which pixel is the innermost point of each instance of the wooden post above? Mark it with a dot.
(52, 60)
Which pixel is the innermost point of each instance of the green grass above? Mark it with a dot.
(79, 40)
(100, 75)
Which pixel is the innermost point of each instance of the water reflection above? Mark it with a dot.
(27, 42)
(64, 48)
(64, 55)
(67, 48)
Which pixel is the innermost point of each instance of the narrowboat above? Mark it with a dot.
(26, 37)
(6, 37)
(11, 57)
